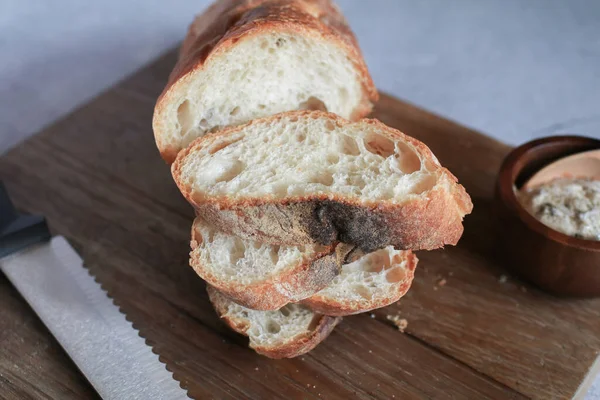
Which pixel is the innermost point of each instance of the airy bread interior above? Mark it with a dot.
(374, 280)
(261, 75)
(266, 328)
(300, 154)
(228, 258)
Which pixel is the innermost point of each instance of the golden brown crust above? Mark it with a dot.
(417, 224)
(303, 281)
(227, 21)
(331, 306)
(322, 326)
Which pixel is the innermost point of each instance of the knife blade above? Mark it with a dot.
(105, 347)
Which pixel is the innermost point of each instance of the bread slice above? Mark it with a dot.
(262, 276)
(243, 60)
(375, 280)
(285, 333)
(308, 177)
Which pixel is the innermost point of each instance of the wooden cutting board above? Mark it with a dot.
(98, 178)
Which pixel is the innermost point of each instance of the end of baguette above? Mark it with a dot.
(288, 332)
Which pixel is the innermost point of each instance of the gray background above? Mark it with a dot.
(512, 69)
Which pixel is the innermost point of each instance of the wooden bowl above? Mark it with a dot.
(556, 262)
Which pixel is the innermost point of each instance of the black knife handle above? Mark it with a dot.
(18, 231)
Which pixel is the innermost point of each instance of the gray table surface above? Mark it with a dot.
(512, 69)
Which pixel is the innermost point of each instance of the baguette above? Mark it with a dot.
(285, 333)
(258, 275)
(373, 281)
(245, 59)
(309, 177)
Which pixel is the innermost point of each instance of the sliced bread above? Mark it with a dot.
(258, 275)
(375, 280)
(244, 59)
(308, 177)
(288, 332)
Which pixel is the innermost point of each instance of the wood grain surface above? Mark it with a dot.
(98, 178)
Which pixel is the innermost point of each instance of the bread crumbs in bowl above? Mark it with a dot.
(546, 232)
(567, 205)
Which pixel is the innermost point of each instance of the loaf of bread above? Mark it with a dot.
(262, 276)
(304, 211)
(374, 280)
(288, 332)
(310, 177)
(245, 59)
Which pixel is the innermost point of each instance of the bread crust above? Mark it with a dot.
(331, 306)
(226, 22)
(322, 326)
(303, 281)
(417, 224)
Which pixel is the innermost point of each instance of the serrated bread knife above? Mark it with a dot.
(50, 275)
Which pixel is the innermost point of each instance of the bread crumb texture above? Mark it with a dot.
(315, 155)
(290, 79)
(233, 259)
(570, 206)
(371, 278)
